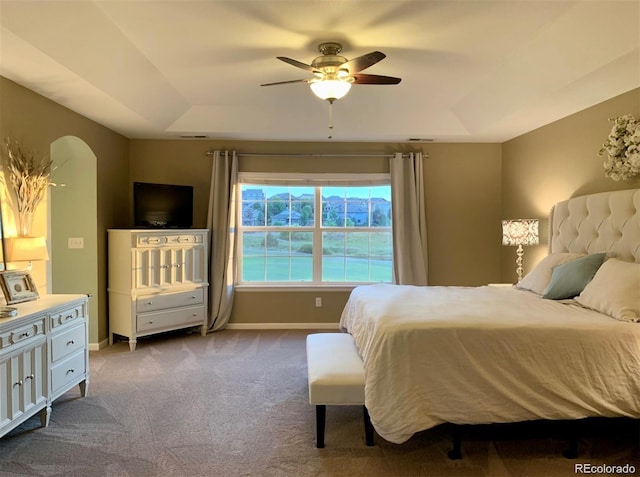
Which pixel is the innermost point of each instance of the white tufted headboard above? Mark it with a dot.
(605, 222)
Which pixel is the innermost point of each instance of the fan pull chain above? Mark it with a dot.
(330, 136)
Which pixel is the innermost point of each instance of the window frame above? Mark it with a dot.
(314, 180)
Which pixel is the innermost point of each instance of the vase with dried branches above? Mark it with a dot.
(29, 177)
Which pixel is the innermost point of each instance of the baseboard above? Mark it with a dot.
(282, 326)
(98, 346)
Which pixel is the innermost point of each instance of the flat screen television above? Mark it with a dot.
(162, 205)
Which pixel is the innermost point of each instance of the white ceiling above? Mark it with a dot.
(478, 70)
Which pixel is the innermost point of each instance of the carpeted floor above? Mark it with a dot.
(234, 403)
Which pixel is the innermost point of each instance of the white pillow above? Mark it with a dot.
(614, 290)
(538, 278)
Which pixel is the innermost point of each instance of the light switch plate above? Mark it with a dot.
(75, 242)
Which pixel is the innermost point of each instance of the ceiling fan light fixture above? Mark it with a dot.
(330, 89)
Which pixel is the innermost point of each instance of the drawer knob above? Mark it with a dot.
(31, 376)
(71, 371)
(68, 317)
(19, 383)
(151, 322)
(193, 296)
(26, 334)
(150, 303)
(71, 342)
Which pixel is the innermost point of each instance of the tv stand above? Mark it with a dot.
(158, 281)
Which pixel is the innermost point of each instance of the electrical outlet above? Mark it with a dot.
(318, 301)
(75, 242)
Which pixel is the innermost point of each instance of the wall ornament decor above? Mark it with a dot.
(622, 148)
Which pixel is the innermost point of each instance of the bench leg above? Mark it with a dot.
(368, 427)
(321, 414)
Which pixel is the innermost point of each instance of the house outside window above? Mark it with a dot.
(314, 230)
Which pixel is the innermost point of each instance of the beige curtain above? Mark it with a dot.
(221, 224)
(409, 219)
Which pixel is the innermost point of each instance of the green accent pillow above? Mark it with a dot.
(569, 279)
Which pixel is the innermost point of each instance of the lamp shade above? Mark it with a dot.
(520, 232)
(330, 89)
(25, 249)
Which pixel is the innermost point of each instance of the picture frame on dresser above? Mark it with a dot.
(18, 286)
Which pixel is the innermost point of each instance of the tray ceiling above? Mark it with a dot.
(472, 71)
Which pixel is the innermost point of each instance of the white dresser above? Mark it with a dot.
(158, 281)
(43, 354)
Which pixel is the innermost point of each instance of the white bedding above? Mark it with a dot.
(487, 355)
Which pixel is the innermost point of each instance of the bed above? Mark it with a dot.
(481, 355)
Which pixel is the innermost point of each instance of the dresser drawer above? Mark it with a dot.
(160, 239)
(66, 316)
(68, 370)
(149, 240)
(67, 342)
(182, 239)
(171, 300)
(21, 335)
(169, 320)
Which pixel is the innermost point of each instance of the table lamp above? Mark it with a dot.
(25, 249)
(520, 232)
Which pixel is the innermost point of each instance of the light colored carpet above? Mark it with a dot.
(234, 403)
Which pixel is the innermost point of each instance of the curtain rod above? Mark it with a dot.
(291, 154)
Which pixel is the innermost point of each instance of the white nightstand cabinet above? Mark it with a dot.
(43, 354)
(158, 281)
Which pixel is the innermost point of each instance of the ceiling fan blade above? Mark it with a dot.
(297, 64)
(286, 82)
(375, 79)
(364, 61)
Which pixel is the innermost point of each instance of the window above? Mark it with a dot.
(314, 230)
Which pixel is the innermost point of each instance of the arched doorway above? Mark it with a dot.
(73, 230)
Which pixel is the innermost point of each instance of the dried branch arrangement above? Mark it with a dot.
(29, 178)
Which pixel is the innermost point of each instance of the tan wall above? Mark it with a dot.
(556, 162)
(470, 187)
(463, 199)
(463, 208)
(38, 122)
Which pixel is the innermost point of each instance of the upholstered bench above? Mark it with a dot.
(336, 378)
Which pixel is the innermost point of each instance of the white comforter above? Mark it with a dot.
(486, 355)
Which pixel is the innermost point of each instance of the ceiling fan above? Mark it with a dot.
(333, 74)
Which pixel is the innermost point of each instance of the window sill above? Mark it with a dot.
(298, 287)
